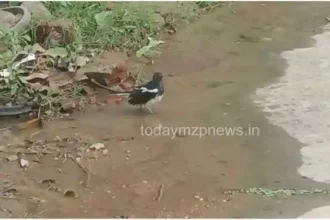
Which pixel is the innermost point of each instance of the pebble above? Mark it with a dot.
(24, 163)
(104, 152)
(97, 146)
(266, 39)
(12, 158)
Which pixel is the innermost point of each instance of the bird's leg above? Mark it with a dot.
(148, 107)
(149, 110)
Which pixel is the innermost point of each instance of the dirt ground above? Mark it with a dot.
(211, 67)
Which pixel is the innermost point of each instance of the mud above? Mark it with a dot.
(211, 68)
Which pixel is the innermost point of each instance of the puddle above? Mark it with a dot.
(301, 100)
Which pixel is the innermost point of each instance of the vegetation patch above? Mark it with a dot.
(45, 62)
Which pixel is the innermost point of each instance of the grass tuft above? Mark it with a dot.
(124, 26)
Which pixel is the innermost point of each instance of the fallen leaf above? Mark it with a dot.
(118, 74)
(37, 87)
(34, 76)
(128, 83)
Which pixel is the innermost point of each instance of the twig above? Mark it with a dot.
(327, 18)
(110, 90)
(25, 152)
(6, 187)
(160, 193)
(10, 213)
(83, 168)
(39, 213)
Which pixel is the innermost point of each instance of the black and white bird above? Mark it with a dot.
(148, 94)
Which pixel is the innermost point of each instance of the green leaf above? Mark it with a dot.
(13, 89)
(149, 48)
(57, 52)
(23, 79)
(101, 20)
(27, 38)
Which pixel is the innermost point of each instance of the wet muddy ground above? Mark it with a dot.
(211, 69)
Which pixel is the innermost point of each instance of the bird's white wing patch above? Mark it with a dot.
(144, 89)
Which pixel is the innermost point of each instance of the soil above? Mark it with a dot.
(211, 68)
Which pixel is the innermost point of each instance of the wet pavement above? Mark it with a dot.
(212, 69)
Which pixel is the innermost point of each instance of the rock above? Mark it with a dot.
(266, 39)
(158, 20)
(12, 158)
(68, 105)
(96, 146)
(24, 163)
(105, 152)
(38, 11)
(7, 20)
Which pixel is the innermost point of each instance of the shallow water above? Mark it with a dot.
(299, 103)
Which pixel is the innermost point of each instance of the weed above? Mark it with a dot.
(13, 42)
(279, 192)
(124, 26)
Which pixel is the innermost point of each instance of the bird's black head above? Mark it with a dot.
(157, 76)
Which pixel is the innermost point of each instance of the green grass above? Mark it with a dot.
(269, 193)
(125, 26)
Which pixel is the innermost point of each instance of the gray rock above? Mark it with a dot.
(158, 19)
(7, 20)
(38, 11)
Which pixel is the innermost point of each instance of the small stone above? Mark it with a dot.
(97, 146)
(38, 11)
(104, 152)
(158, 20)
(266, 39)
(12, 158)
(24, 163)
